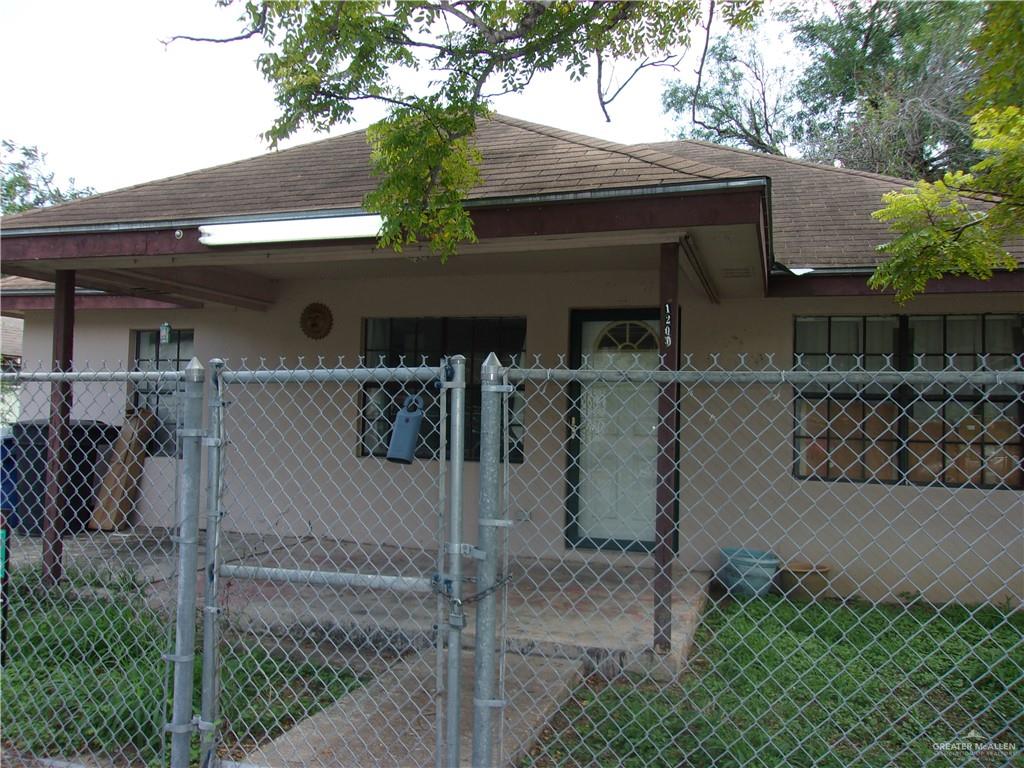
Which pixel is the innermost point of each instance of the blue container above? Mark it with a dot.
(9, 476)
(748, 572)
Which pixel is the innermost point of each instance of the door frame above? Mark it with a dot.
(573, 539)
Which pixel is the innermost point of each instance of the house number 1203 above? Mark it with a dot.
(667, 326)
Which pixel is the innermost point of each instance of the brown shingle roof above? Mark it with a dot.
(519, 158)
(821, 215)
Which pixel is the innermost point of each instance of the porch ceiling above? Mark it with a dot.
(730, 254)
(180, 285)
(249, 277)
(159, 261)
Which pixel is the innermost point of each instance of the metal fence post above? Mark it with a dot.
(214, 487)
(456, 617)
(441, 602)
(491, 395)
(191, 434)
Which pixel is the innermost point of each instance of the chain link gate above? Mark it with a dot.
(340, 572)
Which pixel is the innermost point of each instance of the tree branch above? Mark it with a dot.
(257, 29)
(491, 35)
(335, 95)
(604, 100)
(957, 231)
(700, 69)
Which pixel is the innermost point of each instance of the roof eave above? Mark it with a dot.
(709, 185)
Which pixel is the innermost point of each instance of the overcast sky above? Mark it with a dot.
(90, 83)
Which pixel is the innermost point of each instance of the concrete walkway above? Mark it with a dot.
(391, 722)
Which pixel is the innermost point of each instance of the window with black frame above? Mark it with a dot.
(958, 437)
(152, 353)
(412, 341)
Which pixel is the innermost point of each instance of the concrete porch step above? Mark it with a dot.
(610, 631)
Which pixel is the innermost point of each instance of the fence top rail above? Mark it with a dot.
(23, 377)
(359, 375)
(951, 378)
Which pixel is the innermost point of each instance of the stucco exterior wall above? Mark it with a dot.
(736, 481)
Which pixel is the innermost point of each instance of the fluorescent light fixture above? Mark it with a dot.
(290, 230)
(798, 271)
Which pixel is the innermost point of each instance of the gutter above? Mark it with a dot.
(623, 193)
(143, 226)
(781, 270)
(15, 292)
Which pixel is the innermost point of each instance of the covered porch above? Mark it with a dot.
(651, 247)
(600, 615)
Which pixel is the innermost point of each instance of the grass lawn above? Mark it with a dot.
(86, 675)
(779, 683)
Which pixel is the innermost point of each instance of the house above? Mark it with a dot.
(10, 343)
(11, 326)
(583, 243)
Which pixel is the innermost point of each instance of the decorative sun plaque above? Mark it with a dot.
(316, 320)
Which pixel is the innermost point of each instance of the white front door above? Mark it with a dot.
(617, 436)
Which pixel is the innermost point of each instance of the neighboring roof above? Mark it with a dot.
(12, 284)
(21, 294)
(10, 336)
(519, 158)
(821, 215)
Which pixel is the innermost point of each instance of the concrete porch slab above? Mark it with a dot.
(559, 609)
(601, 615)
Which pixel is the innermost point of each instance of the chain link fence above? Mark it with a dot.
(768, 567)
(89, 496)
(607, 564)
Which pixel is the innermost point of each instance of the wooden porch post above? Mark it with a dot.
(60, 430)
(668, 431)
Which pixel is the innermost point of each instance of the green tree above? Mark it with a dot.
(960, 224)
(27, 183)
(739, 100)
(884, 88)
(326, 56)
